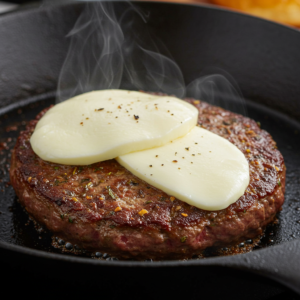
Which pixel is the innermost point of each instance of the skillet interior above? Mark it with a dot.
(15, 228)
(264, 66)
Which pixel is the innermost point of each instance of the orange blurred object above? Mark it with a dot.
(283, 11)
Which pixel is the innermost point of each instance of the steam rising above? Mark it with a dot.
(219, 91)
(106, 53)
(95, 59)
(154, 72)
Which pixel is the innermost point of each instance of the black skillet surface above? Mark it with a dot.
(264, 59)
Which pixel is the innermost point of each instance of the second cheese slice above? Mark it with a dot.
(201, 169)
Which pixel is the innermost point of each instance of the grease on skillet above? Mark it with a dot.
(17, 228)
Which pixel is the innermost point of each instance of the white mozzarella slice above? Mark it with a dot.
(104, 124)
(201, 169)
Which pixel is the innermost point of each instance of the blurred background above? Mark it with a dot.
(282, 11)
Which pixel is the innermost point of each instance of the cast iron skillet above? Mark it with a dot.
(262, 56)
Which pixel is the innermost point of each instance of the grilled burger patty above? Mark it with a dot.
(80, 203)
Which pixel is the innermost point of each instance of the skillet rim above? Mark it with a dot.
(163, 263)
(224, 261)
(35, 8)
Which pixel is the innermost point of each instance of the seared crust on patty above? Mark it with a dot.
(98, 206)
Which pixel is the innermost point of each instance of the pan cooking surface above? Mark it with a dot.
(16, 228)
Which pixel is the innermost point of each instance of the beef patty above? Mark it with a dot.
(80, 203)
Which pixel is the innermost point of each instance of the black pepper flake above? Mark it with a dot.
(132, 183)
(226, 123)
(85, 180)
(174, 161)
(187, 148)
(150, 166)
(99, 109)
(136, 117)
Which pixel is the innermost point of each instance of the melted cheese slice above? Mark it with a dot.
(201, 169)
(104, 124)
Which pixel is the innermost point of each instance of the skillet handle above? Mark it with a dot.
(280, 263)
